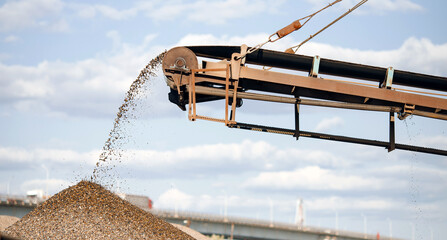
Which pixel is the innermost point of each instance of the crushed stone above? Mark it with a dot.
(89, 211)
(6, 221)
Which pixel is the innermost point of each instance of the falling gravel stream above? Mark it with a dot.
(113, 148)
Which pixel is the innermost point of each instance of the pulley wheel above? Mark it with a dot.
(179, 58)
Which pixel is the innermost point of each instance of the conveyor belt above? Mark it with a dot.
(327, 66)
(232, 79)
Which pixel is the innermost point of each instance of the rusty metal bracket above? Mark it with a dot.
(315, 67)
(235, 66)
(407, 111)
(192, 108)
(244, 49)
(388, 81)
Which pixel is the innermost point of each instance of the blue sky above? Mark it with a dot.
(65, 67)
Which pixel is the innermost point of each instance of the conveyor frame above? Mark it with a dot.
(233, 80)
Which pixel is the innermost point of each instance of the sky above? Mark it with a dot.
(65, 67)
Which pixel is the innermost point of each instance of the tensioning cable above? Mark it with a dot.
(295, 48)
(288, 29)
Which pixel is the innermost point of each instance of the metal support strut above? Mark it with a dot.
(297, 119)
(392, 145)
(337, 138)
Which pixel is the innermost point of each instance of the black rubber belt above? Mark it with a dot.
(327, 66)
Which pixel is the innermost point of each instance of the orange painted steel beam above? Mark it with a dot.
(344, 88)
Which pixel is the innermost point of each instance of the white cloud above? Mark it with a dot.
(316, 178)
(85, 11)
(92, 10)
(88, 87)
(54, 25)
(116, 38)
(11, 39)
(329, 123)
(396, 5)
(434, 141)
(376, 6)
(51, 185)
(379, 205)
(209, 39)
(9, 155)
(375, 184)
(199, 160)
(205, 11)
(31, 13)
(174, 198)
(114, 13)
(230, 158)
(428, 176)
(172, 10)
(350, 203)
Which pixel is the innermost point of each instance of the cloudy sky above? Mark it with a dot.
(65, 67)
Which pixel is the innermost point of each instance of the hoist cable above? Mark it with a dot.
(295, 48)
(288, 29)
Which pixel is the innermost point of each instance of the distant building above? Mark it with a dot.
(35, 196)
(143, 202)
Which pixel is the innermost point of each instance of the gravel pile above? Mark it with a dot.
(191, 232)
(6, 221)
(89, 211)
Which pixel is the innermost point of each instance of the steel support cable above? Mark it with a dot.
(296, 47)
(288, 29)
